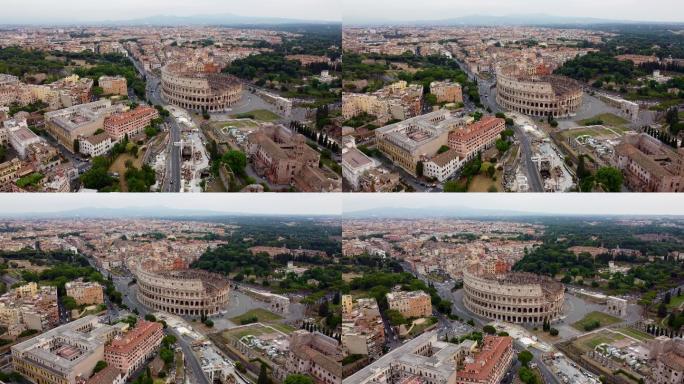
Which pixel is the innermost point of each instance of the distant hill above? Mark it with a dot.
(487, 20)
(436, 212)
(139, 212)
(226, 19)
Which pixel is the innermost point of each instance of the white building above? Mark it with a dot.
(443, 166)
(20, 136)
(354, 164)
(97, 145)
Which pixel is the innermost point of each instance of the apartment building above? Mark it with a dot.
(409, 141)
(129, 123)
(363, 332)
(398, 101)
(63, 355)
(489, 364)
(113, 85)
(97, 145)
(129, 351)
(410, 304)
(316, 355)
(443, 166)
(29, 307)
(67, 125)
(423, 359)
(476, 137)
(447, 91)
(19, 136)
(85, 292)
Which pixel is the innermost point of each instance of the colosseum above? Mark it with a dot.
(530, 93)
(185, 292)
(186, 87)
(514, 297)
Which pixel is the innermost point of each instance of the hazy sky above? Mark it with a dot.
(654, 10)
(21, 11)
(571, 203)
(257, 203)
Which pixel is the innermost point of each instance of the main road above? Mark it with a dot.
(123, 285)
(487, 90)
(173, 153)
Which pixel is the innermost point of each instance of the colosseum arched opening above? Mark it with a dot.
(514, 297)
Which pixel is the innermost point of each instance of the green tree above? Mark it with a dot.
(610, 178)
(527, 376)
(100, 365)
(69, 302)
(395, 317)
(419, 168)
(525, 357)
(298, 379)
(166, 355)
(323, 309)
(430, 99)
(168, 340)
(488, 329)
(236, 160)
(662, 310)
(454, 186)
(263, 375)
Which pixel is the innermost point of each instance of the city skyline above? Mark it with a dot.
(261, 204)
(357, 11)
(43, 11)
(535, 203)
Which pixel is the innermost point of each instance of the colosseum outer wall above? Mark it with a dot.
(539, 96)
(186, 293)
(528, 302)
(199, 91)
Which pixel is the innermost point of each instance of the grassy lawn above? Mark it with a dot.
(119, 166)
(238, 333)
(582, 132)
(258, 114)
(589, 343)
(635, 333)
(283, 328)
(603, 318)
(241, 123)
(257, 330)
(676, 301)
(607, 118)
(482, 183)
(419, 328)
(261, 314)
(215, 186)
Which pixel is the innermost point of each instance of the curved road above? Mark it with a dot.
(487, 89)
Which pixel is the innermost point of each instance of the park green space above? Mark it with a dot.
(603, 318)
